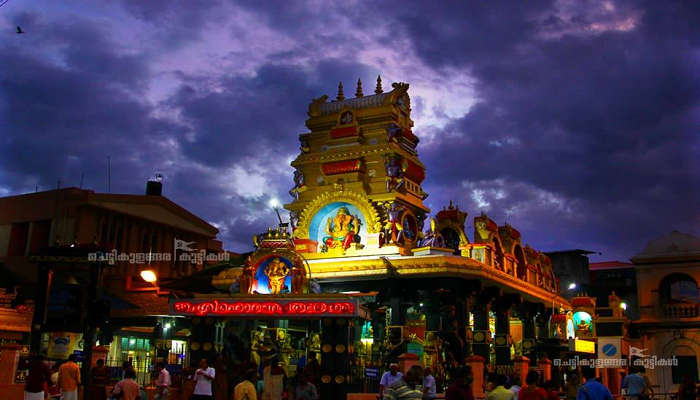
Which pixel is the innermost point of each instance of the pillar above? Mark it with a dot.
(521, 364)
(526, 313)
(406, 361)
(502, 337)
(482, 336)
(99, 353)
(9, 359)
(545, 365)
(398, 316)
(477, 364)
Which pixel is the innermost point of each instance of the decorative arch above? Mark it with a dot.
(678, 287)
(359, 200)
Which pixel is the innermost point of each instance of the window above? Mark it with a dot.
(687, 365)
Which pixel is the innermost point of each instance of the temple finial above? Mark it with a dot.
(379, 85)
(358, 92)
(341, 95)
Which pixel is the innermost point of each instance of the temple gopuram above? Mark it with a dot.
(364, 274)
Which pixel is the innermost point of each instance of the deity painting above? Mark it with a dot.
(583, 323)
(337, 226)
(273, 275)
(346, 118)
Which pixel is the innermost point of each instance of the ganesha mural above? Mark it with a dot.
(273, 275)
(337, 226)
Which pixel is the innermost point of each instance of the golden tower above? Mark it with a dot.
(357, 181)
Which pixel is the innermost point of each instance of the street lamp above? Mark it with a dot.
(572, 285)
(149, 275)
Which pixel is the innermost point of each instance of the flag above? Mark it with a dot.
(182, 245)
(635, 352)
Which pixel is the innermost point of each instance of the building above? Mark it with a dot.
(48, 238)
(364, 253)
(667, 271)
(615, 277)
(572, 268)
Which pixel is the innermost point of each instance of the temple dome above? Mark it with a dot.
(674, 244)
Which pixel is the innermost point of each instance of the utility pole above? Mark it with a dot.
(89, 325)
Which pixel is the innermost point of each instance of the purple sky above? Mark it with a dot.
(575, 121)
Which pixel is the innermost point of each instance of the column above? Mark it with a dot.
(477, 364)
(481, 337)
(502, 337)
(545, 366)
(542, 328)
(9, 358)
(521, 365)
(526, 313)
(398, 316)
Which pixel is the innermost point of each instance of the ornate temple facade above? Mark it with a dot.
(363, 250)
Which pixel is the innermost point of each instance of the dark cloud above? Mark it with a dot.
(583, 133)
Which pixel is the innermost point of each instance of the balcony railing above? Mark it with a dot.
(680, 310)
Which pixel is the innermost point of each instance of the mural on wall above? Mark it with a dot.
(583, 323)
(273, 275)
(337, 225)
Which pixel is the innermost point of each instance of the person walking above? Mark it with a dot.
(273, 380)
(38, 379)
(204, 377)
(635, 384)
(531, 391)
(592, 389)
(389, 377)
(69, 378)
(127, 388)
(499, 392)
(515, 386)
(572, 384)
(461, 386)
(163, 381)
(100, 378)
(312, 369)
(429, 386)
(409, 387)
(246, 390)
(305, 390)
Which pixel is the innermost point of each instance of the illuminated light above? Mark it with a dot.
(367, 340)
(351, 292)
(167, 326)
(572, 285)
(273, 203)
(292, 308)
(149, 275)
(623, 305)
(582, 346)
(420, 305)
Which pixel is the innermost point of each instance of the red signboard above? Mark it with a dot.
(264, 308)
(341, 167)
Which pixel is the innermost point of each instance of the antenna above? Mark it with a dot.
(82, 177)
(109, 174)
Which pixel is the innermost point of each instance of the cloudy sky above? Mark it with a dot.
(575, 121)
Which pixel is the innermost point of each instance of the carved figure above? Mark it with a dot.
(245, 282)
(393, 132)
(298, 279)
(394, 172)
(432, 237)
(391, 228)
(276, 272)
(299, 184)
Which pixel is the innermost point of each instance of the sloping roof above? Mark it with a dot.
(599, 266)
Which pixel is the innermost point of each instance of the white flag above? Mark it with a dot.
(182, 245)
(635, 352)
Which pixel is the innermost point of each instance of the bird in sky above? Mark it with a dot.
(19, 30)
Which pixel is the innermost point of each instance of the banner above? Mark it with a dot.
(62, 344)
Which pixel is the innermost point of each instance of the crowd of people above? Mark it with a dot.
(270, 382)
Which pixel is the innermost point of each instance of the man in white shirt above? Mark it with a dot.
(429, 387)
(204, 377)
(163, 382)
(389, 377)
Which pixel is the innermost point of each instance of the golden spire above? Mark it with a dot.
(379, 85)
(358, 92)
(341, 95)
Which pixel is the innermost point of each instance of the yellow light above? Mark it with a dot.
(583, 346)
(367, 340)
(148, 275)
(623, 305)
